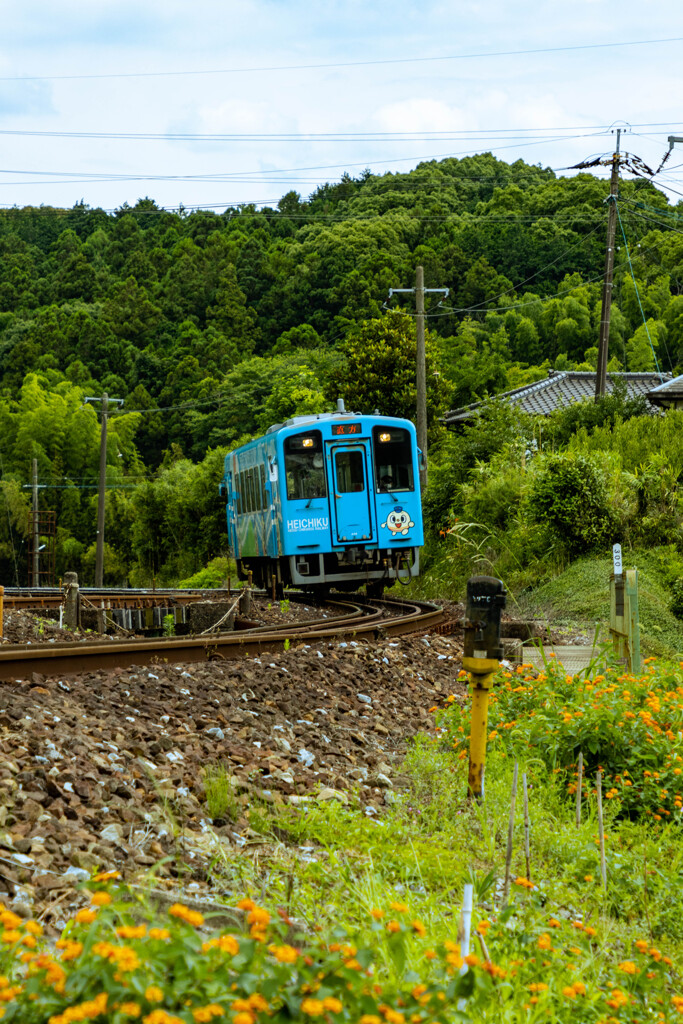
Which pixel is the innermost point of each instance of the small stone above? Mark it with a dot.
(381, 780)
(112, 834)
(363, 698)
(332, 794)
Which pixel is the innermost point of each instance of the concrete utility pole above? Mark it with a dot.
(36, 528)
(99, 554)
(421, 366)
(421, 369)
(603, 344)
(99, 561)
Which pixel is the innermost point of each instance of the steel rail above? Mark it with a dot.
(365, 621)
(52, 597)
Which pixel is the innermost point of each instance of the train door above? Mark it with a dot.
(352, 519)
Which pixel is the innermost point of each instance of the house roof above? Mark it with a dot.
(668, 393)
(562, 388)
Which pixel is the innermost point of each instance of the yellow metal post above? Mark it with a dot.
(481, 672)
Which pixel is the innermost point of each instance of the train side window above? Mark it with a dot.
(262, 475)
(305, 465)
(393, 459)
(257, 490)
(349, 467)
(240, 492)
(250, 490)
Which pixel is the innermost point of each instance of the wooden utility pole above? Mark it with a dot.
(421, 366)
(36, 528)
(603, 344)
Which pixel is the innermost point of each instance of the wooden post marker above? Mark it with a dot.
(511, 827)
(527, 854)
(601, 831)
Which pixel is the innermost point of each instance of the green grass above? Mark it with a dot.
(332, 864)
(581, 592)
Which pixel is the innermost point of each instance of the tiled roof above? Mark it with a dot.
(562, 388)
(668, 393)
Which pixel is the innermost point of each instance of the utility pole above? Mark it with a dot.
(99, 560)
(421, 365)
(603, 344)
(99, 554)
(421, 370)
(36, 528)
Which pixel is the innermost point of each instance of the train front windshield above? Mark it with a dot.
(304, 466)
(393, 459)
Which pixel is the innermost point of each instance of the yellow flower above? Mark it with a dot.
(85, 916)
(130, 931)
(332, 1004)
(204, 1014)
(377, 913)
(628, 967)
(284, 954)
(568, 992)
(400, 908)
(184, 913)
(544, 941)
(100, 899)
(106, 876)
(312, 1007)
(8, 919)
(161, 1017)
(153, 994)
(130, 1009)
(159, 933)
(224, 943)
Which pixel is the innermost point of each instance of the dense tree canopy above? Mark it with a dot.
(211, 326)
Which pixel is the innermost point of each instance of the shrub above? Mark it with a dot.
(629, 726)
(570, 495)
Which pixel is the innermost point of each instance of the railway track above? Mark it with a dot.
(35, 599)
(356, 618)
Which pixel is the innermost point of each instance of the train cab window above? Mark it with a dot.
(349, 468)
(305, 465)
(393, 459)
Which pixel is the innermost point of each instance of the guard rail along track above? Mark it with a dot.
(356, 618)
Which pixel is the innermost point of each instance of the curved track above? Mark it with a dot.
(357, 618)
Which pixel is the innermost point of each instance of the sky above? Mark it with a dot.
(210, 104)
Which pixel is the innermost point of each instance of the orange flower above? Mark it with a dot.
(100, 899)
(184, 913)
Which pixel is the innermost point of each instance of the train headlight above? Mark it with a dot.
(385, 437)
(307, 442)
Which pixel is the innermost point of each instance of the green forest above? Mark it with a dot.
(212, 326)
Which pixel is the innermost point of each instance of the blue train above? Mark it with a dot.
(328, 500)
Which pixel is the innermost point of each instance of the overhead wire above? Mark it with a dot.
(340, 64)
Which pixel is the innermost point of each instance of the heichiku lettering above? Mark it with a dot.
(313, 523)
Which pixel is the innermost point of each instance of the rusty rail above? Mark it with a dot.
(362, 620)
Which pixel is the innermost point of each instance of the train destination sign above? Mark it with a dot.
(338, 429)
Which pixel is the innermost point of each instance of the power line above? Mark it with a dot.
(445, 134)
(341, 64)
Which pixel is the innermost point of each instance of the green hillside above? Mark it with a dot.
(212, 326)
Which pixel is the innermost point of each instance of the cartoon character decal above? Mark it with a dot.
(398, 521)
